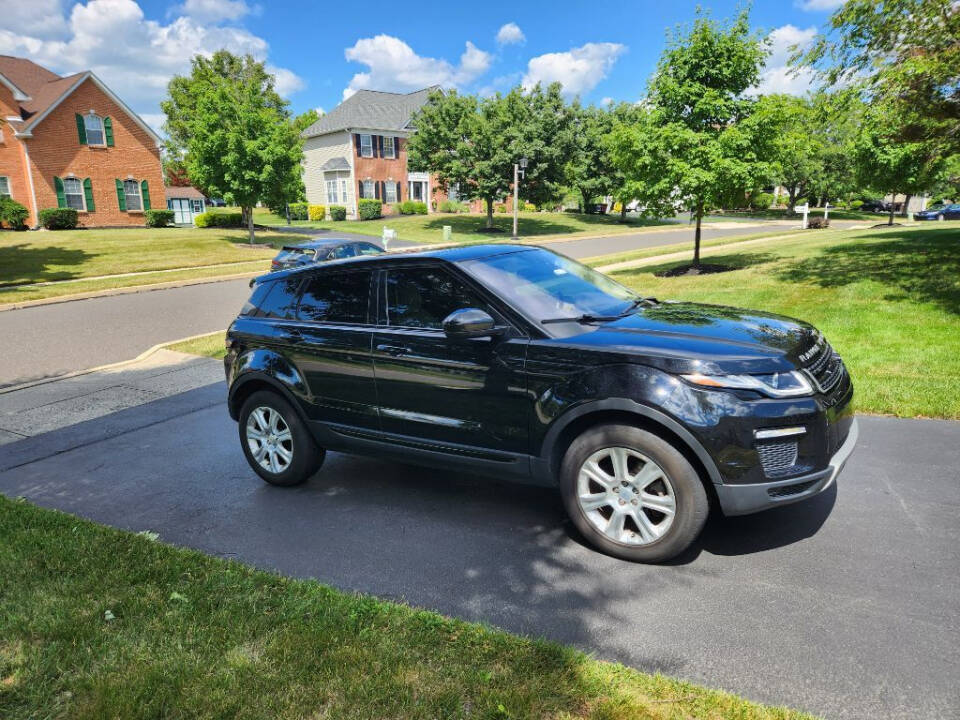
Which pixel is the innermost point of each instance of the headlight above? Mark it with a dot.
(785, 384)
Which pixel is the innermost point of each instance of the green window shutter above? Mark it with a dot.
(61, 196)
(88, 194)
(121, 198)
(145, 194)
(81, 130)
(108, 131)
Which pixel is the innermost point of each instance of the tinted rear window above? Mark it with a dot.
(340, 297)
(281, 301)
(257, 298)
(288, 254)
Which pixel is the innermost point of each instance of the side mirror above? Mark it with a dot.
(469, 323)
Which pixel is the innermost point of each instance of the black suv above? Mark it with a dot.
(516, 361)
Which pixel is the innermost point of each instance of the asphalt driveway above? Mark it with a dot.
(846, 606)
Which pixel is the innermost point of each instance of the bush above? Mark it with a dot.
(369, 209)
(412, 207)
(298, 211)
(761, 201)
(337, 212)
(58, 218)
(159, 218)
(13, 214)
(501, 209)
(452, 206)
(316, 212)
(818, 223)
(218, 220)
(855, 205)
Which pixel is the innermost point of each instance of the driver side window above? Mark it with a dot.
(423, 297)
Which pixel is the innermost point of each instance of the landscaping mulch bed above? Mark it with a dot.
(689, 270)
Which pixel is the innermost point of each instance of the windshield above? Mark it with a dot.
(292, 254)
(545, 285)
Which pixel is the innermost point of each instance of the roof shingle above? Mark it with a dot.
(371, 109)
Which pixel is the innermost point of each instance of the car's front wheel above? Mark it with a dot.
(632, 494)
(276, 442)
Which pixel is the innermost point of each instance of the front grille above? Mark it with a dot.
(777, 458)
(826, 368)
(788, 490)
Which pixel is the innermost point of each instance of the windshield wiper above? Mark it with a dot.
(586, 318)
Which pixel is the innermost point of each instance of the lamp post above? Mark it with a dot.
(518, 169)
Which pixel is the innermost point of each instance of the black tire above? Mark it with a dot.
(692, 505)
(307, 456)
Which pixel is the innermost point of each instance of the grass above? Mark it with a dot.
(206, 345)
(80, 256)
(888, 300)
(783, 213)
(98, 622)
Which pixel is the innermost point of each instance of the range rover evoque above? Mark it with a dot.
(516, 361)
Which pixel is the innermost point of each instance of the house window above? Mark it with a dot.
(453, 192)
(332, 198)
(389, 151)
(131, 189)
(368, 190)
(366, 146)
(94, 126)
(197, 206)
(391, 192)
(343, 190)
(5, 186)
(73, 193)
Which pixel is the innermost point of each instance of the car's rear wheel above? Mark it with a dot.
(632, 494)
(276, 442)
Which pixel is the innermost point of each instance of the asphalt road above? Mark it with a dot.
(54, 339)
(846, 605)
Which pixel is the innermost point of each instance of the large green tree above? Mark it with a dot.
(233, 130)
(589, 168)
(798, 148)
(699, 141)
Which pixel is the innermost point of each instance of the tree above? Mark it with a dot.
(589, 169)
(798, 147)
(233, 130)
(699, 140)
(175, 172)
(305, 119)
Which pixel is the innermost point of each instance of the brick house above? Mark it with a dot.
(359, 150)
(71, 142)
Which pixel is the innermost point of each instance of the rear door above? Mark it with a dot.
(331, 342)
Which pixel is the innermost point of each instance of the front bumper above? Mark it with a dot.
(754, 497)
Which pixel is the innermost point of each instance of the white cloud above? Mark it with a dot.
(510, 34)
(606, 101)
(777, 76)
(578, 70)
(213, 10)
(818, 5)
(319, 110)
(134, 56)
(287, 81)
(37, 19)
(394, 66)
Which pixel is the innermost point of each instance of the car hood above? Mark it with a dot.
(692, 337)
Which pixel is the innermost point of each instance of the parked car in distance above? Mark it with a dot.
(216, 202)
(874, 206)
(515, 361)
(316, 251)
(939, 212)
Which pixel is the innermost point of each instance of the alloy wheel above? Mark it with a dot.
(626, 496)
(269, 439)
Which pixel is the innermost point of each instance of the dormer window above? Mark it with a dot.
(94, 127)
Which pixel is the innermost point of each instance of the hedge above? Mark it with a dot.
(316, 212)
(452, 206)
(218, 220)
(159, 218)
(337, 212)
(13, 214)
(818, 223)
(58, 218)
(369, 209)
(761, 201)
(298, 211)
(412, 207)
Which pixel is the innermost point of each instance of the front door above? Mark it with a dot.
(468, 392)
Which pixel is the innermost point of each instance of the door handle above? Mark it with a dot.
(394, 350)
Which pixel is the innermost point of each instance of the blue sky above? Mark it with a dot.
(321, 52)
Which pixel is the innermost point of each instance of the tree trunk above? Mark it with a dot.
(906, 205)
(890, 219)
(249, 213)
(584, 201)
(696, 235)
(792, 195)
(623, 211)
(489, 224)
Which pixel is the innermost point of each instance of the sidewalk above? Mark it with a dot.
(60, 402)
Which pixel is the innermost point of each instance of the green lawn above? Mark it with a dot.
(888, 300)
(101, 623)
(206, 345)
(32, 257)
(781, 213)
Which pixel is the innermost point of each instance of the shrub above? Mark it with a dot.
(818, 223)
(501, 209)
(13, 214)
(800, 201)
(159, 218)
(369, 209)
(58, 218)
(337, 212)
(316, 212)
(298, 211)
(855, 205)
(761, 201)
(218, 220)
(412, 207)
(452, 206)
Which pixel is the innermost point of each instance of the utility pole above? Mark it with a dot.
(518, 169)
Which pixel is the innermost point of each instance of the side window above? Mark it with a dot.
(423, 297)
(368, 249)
(345, 251)
(257, 299)
(336, 297)
(281, 303)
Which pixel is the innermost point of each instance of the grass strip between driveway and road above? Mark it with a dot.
(98, 622)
